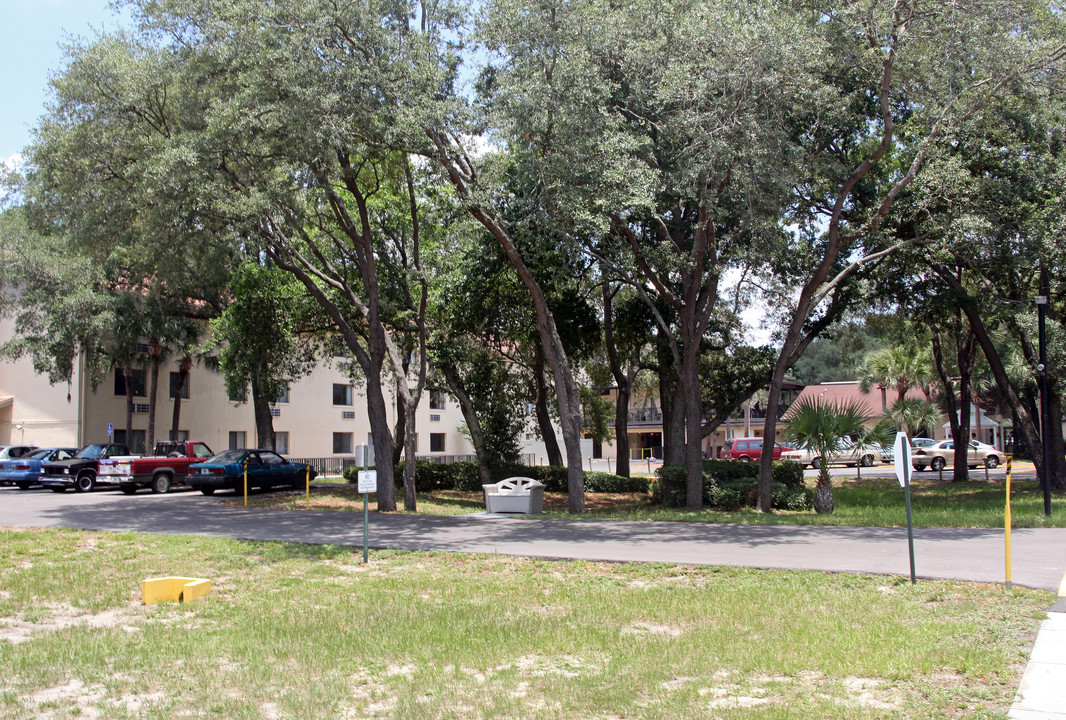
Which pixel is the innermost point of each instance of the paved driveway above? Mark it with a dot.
(1039, 555)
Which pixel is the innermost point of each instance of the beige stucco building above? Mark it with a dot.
(323, 415)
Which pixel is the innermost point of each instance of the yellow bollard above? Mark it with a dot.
(1007, 524)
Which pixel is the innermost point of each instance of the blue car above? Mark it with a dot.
(266, 469)
(25, 472)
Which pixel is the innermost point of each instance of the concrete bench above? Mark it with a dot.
(515, 495)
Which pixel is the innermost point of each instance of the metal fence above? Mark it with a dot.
(335, 466)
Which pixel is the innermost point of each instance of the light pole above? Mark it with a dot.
(1041, 305)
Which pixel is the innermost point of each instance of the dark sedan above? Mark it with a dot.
(26, 471)
(266, 469)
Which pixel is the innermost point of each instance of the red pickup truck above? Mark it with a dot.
(169, 465)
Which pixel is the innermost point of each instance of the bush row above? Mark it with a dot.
(731, 485)
(464, 476)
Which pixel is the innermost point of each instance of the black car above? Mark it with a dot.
(79, 472)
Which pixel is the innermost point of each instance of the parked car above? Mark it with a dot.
(938, 455)
(25, 472)
(225, 471)
(167, 466)
(79, 472)
(747, 449)
(886, 453)
(846, 453)
(11, 452)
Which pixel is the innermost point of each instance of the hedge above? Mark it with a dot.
(732, 484)
(464, 476)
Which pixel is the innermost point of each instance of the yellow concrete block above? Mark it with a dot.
(173, 589)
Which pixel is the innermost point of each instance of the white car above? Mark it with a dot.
(845, 454)
(938, 455)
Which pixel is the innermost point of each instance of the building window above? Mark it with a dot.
(237, 440)
(175, 391)
(283, 396)
(436, 442)
(183, 436)
(240, 397)
(135, 442)
(342, 394)
(136, 381)
(342, 443)
(281, 442)
(436, 400)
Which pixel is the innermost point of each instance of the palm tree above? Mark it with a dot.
(881, 435)
(914, 414)
(901, 367)
(820, 427)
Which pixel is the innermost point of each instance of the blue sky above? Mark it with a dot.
(31, 32)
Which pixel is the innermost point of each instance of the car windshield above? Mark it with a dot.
(39, 455)
(91, 452)
(228, 456)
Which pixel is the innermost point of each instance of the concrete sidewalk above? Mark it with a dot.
(1042, 691)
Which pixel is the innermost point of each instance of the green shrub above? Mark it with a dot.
(669, 489)
(610, 483)
(733, 484)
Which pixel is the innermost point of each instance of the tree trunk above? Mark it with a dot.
(569, 402)
(127, 374)
(823, 495)
(949, 394)
(1023, 415)
(184, 368)
(622, 383)
(544, 420)
(264, 421)
(1057, 471)
(155, 353)
(621, 430)
(473, 423)
(690, 386)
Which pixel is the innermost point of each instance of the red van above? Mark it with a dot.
(747, 449)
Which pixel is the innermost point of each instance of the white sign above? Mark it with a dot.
(368, 481)
(901, 456)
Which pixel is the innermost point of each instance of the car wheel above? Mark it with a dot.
(85, 482)
(991, 461)
(160, 483)
(938, 464)
(867, 460)
(920, 468)
(58, 489)
(24, 486)
(207, 490)
(744, 458)
(816, 463)
(128, 489)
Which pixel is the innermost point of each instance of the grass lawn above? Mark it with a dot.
(873, 502)
(296, 631)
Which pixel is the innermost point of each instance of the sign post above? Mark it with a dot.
(901, 457)
(368, 483)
